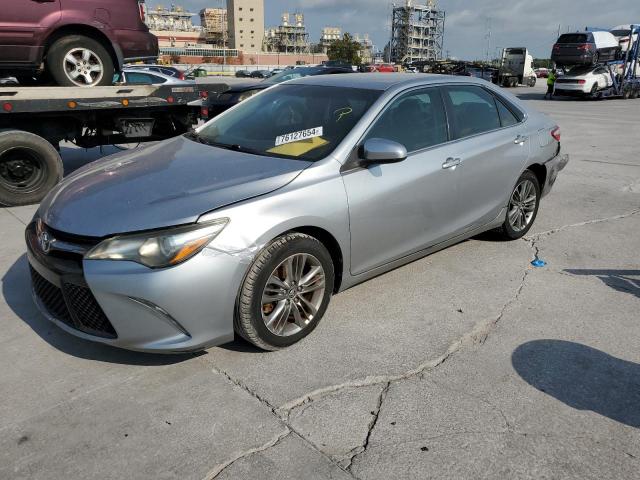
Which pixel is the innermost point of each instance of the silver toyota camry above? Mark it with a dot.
(251, 223)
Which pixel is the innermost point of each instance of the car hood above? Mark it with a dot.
(165, 184)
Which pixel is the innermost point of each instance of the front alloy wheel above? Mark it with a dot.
(293, 295)
(286, 292)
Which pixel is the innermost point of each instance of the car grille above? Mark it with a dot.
(73, 305)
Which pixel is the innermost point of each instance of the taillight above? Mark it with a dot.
(582, 82)
(141, 8)
(181, 76)
(204, 112)
(556, 47)
(586, 47)
(555, 133)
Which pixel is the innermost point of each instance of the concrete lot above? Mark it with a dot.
(467, 364)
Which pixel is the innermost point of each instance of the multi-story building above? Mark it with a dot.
(174, 27)
(215, 26)
(288, 37)
(417, 32)
(246, 24)
(329, 35)
(366, 47)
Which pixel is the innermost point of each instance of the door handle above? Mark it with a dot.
(520, 139)
(451, 163)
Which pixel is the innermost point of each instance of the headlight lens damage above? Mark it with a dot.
(163, 248)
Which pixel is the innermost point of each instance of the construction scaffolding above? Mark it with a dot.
(417, 32)
(288, 37)
(214, 24)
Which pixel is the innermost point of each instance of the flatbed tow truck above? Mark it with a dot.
(35, 120)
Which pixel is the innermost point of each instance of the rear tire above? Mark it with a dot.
(92, 64)
(523, 207)
(29, 167)
(268, 290)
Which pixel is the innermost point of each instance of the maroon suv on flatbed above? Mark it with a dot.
(77, 42)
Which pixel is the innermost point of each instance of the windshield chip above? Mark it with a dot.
(298, 136)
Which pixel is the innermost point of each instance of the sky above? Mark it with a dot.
(513, 23)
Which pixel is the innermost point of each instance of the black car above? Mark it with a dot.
(170, 71)
(260, 74)
(585, 48)
(241, 91)
(243, 74)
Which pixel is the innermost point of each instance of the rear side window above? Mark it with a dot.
(507, 118)
(574, 38)
(472, 110)
(415, 120)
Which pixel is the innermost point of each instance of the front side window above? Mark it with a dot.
(472, 110)
(292, 121)
(415, 120)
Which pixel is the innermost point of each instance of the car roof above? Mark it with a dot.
(379, 81)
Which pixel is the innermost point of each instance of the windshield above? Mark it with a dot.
(291, 121)
(576, 71)
(621, 33)
(292, 74)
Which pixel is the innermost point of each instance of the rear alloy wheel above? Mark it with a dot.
(78, 61)
(523, 207)
(286, 292)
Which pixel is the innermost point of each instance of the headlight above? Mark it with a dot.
(247, 94)
(163, 248)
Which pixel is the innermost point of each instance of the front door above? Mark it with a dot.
(398, 209)
(22, 25)
(493, 145)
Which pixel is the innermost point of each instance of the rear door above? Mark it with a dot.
(23, 24)
(493, 145)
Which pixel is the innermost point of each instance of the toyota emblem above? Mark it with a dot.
(44, 240)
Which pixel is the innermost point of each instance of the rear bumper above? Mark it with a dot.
(570, 92)
(554, 167)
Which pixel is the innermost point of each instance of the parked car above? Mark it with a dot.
(486, 73)
(260, 74)
(164, 69)
(542, 72)
(583, 81)
(384, 68)
(243, 74)
(585, 48)
(242, 91)
(137, 76)
(78, 43)
(253, 221)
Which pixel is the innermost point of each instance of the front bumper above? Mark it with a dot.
(554, 166)
(183, 308)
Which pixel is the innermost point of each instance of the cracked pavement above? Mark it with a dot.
(469, 363)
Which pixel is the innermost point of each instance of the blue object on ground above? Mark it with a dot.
(539, 263)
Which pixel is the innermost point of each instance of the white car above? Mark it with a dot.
(624, 36)
(583, 81)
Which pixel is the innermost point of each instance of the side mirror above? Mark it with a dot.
(379, 151)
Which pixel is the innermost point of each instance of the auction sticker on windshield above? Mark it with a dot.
(297, 136)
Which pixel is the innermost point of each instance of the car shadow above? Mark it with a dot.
(582, 377)
(75, 157)
(626, 281)
(16, 290)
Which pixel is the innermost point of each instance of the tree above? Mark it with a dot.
(345, 50)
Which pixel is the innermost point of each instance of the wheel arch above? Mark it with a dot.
(332, 246)
(88, 31)
(540, 171)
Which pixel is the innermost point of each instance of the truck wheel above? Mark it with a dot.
(29, 168)
(532, 81)
(78, 61)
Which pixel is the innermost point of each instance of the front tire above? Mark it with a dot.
(523, 207)
(285, 293)
(79, 61)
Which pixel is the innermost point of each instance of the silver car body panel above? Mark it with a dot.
(379, 217)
